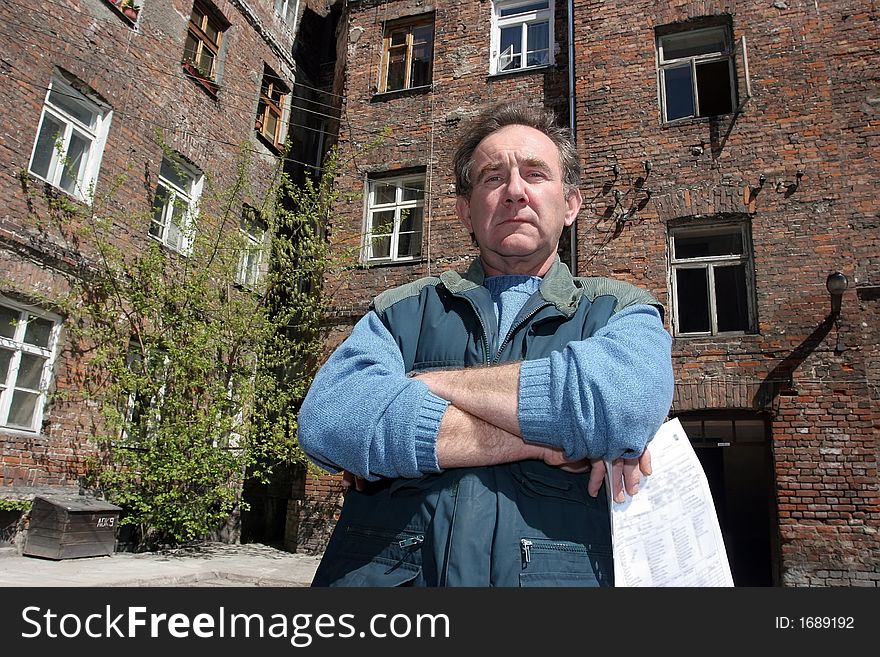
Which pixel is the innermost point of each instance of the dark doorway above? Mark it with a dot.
(735, 454)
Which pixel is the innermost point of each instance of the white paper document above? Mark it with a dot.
(668, 533)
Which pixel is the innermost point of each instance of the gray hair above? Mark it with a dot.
(505, 114)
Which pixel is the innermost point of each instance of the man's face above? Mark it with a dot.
(518, 207)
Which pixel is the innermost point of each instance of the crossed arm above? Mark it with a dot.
(601, 397)
(481, 427)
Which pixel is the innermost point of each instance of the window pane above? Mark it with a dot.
(30, 368)
(692, 300)
(383, 193)
(21, 413)
(410, 219)
(719, 431)
(678, 92)
(413, 190)
(190, 48)
(175, 175)
(73, 164)
(421, 65)
(538, 41)
(206, 63)
(750, 431)
(271, 126)
(51, 132)
(693, 429)
(212, 32)
(5, 359)
(381, 247)
(63, 98)
(8, 320)
(396, 70)
(697, 245)
(730, 298)
(409, 245)
(691, 44)
(382, 222)
(38, 331)
(398, 37)
(160, 201)
(522, 9)
(713, 88)
(511, 48)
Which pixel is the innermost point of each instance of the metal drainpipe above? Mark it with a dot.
(572, 123)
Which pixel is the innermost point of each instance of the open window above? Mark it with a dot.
(522, 35)
(175, 204)
(71, 137)
(696, 71)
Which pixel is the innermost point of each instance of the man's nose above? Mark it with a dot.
(516, 189)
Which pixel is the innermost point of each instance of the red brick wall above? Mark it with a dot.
(814, 109)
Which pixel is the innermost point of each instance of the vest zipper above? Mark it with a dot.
(484, 334)
(513, 328)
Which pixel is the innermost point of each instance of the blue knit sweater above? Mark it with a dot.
(365, 415)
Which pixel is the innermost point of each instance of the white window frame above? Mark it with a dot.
(373, 208)
(524, 19)
(692, 61)
(283, 11)
(18, 346)
(252, 261)
(95, 133)
(710, 263)
(176, 194)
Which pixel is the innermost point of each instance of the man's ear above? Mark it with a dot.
(573, 203)
(463, 210)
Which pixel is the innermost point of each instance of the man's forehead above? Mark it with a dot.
(518, 142)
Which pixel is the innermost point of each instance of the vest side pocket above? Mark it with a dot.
(370, 556)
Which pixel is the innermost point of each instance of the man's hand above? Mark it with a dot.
(625, 475)
(350, 481)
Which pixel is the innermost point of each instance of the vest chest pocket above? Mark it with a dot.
(548, 562)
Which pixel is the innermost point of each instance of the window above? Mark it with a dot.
(251, 262)
(394, 219)
(174, 205)
(270, 109)
(696, 73)
(407, 55)
(28, 338)
(203, 37)
(70, 140)
(287, 9)
(522, 34)
(712, 279)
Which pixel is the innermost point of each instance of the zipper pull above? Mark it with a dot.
(412, 540)
(526, 546)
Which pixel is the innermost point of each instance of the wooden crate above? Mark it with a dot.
(71, 527)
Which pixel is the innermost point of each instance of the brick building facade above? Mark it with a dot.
(729, 152)
(86, 86)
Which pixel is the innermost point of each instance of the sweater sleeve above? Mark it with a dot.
(605, 396)
(364, 415)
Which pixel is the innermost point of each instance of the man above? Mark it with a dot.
(469, 409)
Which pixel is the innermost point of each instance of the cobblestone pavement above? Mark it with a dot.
(209, 564)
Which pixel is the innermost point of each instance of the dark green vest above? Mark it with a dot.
(520, 524)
